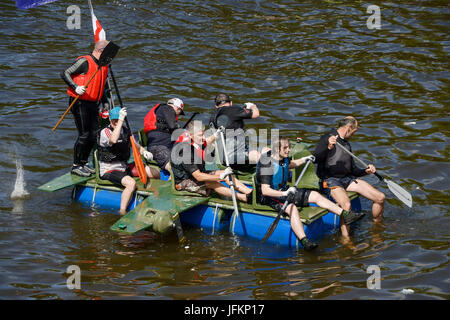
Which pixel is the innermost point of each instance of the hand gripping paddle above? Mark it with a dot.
(108, 54)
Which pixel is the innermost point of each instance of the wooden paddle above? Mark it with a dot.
(108, 54)
(136, 154)
(283, 208)
(403, 195)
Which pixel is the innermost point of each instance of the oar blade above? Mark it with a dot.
(179, 230)
(139, 164)
(271, 228)
(403, 195)
(108, 54)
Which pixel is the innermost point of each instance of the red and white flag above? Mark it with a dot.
(99, 32)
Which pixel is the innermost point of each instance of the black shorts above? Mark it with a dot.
(301, 199)
(117, 176)
(161, 154)
(343, 182)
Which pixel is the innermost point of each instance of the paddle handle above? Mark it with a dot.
(359, 160)
(118, 95)
(297, 182)
(136, 154)
(233, 195)
(190, 119)
(73, 102)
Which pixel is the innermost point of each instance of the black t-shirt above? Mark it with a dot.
(230, 117)
(166, 117)
(184, 165)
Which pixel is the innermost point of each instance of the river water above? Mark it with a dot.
(305, 64)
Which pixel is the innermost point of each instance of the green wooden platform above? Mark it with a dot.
(64, 181)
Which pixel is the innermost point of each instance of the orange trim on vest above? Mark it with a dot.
(94, 91)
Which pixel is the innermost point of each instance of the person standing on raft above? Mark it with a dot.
(85, 110)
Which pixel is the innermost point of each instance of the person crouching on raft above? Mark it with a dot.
(114, 145)
(188, 166)
(272, 175)
(159, 124)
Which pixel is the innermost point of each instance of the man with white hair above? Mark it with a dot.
(159, 123)
(85, 110)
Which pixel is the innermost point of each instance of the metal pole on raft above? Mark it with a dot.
(233, 194)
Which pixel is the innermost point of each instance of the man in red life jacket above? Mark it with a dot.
(159, 124)
(188, 166)
(85, 110)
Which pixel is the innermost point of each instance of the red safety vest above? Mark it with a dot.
(150, 120)
(200, 150)
(94, 91)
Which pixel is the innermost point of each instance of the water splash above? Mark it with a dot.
(19, 191)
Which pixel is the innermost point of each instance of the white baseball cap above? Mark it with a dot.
(176, 102)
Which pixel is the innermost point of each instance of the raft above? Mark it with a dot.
(160, 208)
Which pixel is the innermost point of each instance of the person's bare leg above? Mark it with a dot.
(224, 191)
(296, 223)
(238, 185)
(152, 173)
(340, 196)
(321, 201)
(167, 167)
(130, 185)
(368, 191)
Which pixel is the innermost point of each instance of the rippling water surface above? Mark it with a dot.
(305, 64)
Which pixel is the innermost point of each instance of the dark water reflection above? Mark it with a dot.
(305, 64)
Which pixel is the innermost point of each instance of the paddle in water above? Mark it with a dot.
(403, 195)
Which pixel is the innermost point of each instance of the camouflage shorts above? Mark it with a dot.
(192, 186)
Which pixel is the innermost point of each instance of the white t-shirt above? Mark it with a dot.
(105, 167)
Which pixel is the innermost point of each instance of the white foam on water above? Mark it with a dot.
(407, 291)
(19, 191)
